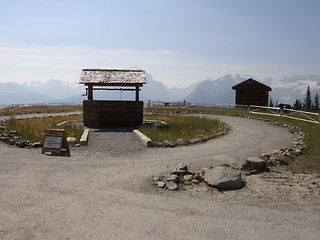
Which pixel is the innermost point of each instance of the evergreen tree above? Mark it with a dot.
(271, 102)
(316, 103)
(297, 105)
(307, 104)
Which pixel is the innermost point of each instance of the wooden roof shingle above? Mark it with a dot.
(112, 76)
(251, 83)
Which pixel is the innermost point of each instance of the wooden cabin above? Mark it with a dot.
(104, 113)
(252, 92)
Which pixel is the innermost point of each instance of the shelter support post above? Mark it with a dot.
(137, 93)
(90, 92)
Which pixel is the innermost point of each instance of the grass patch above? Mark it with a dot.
(184, 127)
(33, 129)
(310, 160)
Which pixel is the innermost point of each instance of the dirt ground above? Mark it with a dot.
(105, 191)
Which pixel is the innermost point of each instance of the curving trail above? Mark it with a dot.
(95, 194)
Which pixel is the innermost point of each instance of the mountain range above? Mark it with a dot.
(208, 91)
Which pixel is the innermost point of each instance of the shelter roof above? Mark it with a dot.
(251, 83)
(112, 77)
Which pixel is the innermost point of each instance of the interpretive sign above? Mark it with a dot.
(54, 140)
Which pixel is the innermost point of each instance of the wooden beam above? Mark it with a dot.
(137, 93)
(90, 92)
(114, 84)
(116, 89)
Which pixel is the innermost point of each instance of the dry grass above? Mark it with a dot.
(184, 127)
(33, 129)
(39, 109)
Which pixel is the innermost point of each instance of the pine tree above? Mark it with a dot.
(316, 103)
(297, 105)
(307, 104)
(271, 102)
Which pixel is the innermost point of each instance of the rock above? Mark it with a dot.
(173, 178)
(265, 155)
(181, 142)
(198, 176)
(12, 142)
(2, 128)
(195, 140)
(22, 144)
(195, 181)
(224, 178)
(187, 183)
(272, 161)
(161, 184)
(36, 144)
(188, 177)
(159, 144)
(255, 163)
(172, 185)
(13, 133)
(298, 152)
(156, 178)
(168, 143)
(72, 141)
(181, 169)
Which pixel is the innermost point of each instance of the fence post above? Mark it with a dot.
(281, 112)
(319, 117)
(248, 108)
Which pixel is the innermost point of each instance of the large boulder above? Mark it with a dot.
(224, 178)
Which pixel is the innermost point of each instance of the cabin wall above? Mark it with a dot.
(112, 113)
(252, 96)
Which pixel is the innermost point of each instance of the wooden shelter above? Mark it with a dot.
(252, 92)
(112, 113)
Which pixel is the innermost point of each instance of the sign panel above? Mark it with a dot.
(52, 142)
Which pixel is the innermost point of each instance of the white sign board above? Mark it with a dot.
(52, 142)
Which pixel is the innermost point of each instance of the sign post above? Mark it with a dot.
(54, 140)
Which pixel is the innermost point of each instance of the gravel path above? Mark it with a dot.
(115, 141)
(102, 193)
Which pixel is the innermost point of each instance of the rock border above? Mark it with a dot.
(223, 178)
(12, 138)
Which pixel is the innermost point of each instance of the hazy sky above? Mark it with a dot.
(177, 41)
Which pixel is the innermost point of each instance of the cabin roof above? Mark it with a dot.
(112, 76)
(251, 83)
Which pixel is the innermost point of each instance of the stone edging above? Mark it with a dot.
(84, 137)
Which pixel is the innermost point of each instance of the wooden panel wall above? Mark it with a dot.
(252, 96)
(112, 113)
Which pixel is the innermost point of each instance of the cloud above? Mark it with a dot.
(26, 62)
